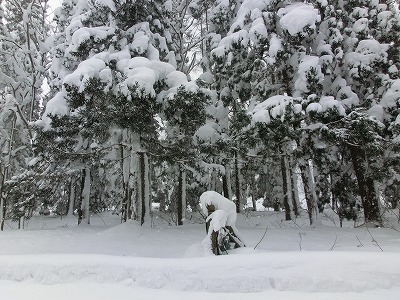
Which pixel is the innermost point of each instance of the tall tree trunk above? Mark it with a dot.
(181, 195)
(147, 185)
(85, 207)
(238, 189)
(128, 203)
(253, 194)
(131, 209)
(311, 186)
(2, 200)
(143, 186)
(366, 187)
(289, 192)
(286, 192)
(71, 199)
(6, 173)
(333, 199)
(226, 181)
(309, 199)
(162, 201)
(225, 186)
(295, 186)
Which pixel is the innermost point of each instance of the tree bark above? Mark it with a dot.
(226, 181)
(71, 199)
(85, 207)
(286, 192)
(309, 202)
(2, 204)
(6, 173)
(180, 195)
(295, 187)
(142, 186)
(238, 190)
(366, 187)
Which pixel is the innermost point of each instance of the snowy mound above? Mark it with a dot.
(290, 271)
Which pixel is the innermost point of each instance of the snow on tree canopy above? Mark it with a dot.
(239, 34)
(207, 133)
(397, 121)
(383, 19)
(225, 45)
(367, 53)
(106, 3)
(87, 69)
(207, 77)
(251, 8)
(258, 30)
(220, 203)
(85, 34)
(326, 103)
(309, 65)
(296, 17)
(56, 106)
(344, 92)
(274, 48)
(140, 42)
(361, 25)
(392, 96)
(273, 107)
(222, 6)
(136, 72)
(378, 112)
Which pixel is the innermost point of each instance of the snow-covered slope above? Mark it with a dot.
(110, 261)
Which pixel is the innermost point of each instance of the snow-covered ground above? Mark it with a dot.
(56, 259)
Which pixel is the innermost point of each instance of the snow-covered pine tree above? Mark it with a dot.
(184, 114)
(214, 18)
(371, 71)
(24, 27)
(274, 48)
(353, 56)
(338, 63)
(237, 36)
(116, 70)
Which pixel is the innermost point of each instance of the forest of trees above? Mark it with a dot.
(118, 104)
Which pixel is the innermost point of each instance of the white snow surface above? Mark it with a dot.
(53, 258)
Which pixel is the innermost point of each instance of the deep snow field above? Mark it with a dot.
(53, 258)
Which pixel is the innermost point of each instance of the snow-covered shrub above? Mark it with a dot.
(221, 229)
